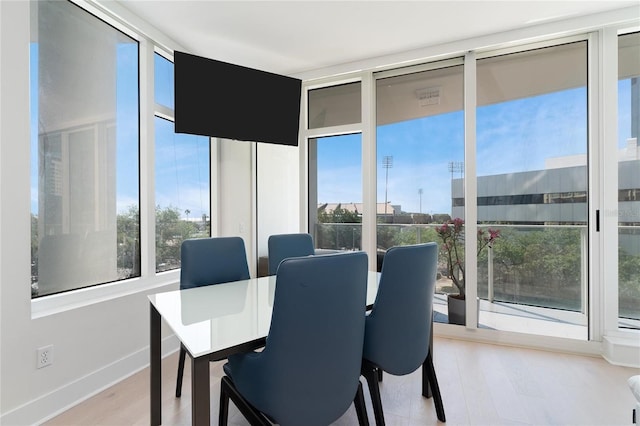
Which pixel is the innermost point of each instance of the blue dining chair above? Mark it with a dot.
(309, 371)
(283, 246)
(398, 328)
(207, 261)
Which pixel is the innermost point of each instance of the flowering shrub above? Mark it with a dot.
(452, 235)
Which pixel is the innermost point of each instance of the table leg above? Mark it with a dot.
(200, 398)
(155, 366)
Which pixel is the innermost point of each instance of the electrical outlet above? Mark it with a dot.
(44, 356)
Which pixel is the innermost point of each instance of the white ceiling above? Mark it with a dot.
(290, 37)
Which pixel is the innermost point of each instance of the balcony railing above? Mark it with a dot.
(535, 265)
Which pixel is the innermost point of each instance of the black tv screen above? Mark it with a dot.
(219, 99)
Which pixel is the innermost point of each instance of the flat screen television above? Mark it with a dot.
(219, 99)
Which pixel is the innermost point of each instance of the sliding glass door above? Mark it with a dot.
(532, 188)
(420, 163)
(629, 181)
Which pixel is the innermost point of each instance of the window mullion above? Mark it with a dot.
(147, 161)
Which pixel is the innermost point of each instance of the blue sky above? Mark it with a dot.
(513, 136)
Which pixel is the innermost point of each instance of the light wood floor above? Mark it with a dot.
(481, 384)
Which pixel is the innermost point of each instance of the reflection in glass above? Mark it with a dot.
(84, 151)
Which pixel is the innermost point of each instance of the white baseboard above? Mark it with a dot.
(50, 405)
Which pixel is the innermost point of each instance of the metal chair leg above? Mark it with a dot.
(361, 409)
(435, 389)
(223, 415)
(369, 373)
(253, 416)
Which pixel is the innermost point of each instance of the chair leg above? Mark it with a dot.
(223, 415)
(183, 353)
(361, 409)
(369, 373)
(253, 416)
(435, 389)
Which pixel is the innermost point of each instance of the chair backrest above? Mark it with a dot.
(283, 246)
(206, 261)
(312, 358)
(398, 327)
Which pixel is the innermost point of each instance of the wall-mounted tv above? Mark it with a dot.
(219, 99)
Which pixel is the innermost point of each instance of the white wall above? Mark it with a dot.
(235, 203)
(98, 343)
(278, 196)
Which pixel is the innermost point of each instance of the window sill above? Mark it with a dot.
(58, 303)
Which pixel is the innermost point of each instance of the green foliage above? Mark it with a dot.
(537, 266)
(407, 235)
(338, 215)
(339, 229)
(34, 245)
(171, 231)
(386, 236)
(629, 284)
(451, 235)
(128, 225)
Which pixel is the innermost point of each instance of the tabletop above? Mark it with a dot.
(212, 318)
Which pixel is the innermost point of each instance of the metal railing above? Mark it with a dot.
(536, 265)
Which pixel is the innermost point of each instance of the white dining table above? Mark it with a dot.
(213, 322)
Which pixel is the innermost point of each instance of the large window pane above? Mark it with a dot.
(335, 192)
(84, 150)
(420, 153)
(532, 188)
(183, 196)
(182, 192)
(629, 180)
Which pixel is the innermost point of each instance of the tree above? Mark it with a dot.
(332, 231)
(451, 234)
(128, 229)
(629, 284)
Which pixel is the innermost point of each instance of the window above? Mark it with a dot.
(335, 105)
(182, 168)
(335, 167)
(629, 180)
(84, 151)
(532, 188)
(420, 154)
(336, 203)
